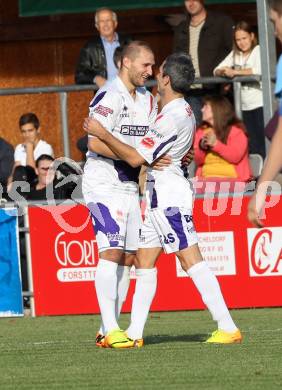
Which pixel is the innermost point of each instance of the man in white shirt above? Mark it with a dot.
(32, 146)
(110, 185)
(168, 224)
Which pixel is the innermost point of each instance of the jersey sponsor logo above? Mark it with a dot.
(148, 142)
(135, 131)
(156, 133)
(102, 110)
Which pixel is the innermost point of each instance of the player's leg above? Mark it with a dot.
(132, 232)
(208, 286)
(178, 235)
(109, 227)
(146, 278)
(123, 281)
(205, 281)
(145, 289)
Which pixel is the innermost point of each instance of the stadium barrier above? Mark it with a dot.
(248, 261)
(64, 90)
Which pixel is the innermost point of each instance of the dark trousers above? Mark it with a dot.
(254, 123)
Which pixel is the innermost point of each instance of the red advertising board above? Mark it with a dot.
(247, 261)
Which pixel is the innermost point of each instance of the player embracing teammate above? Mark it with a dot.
(168, 224)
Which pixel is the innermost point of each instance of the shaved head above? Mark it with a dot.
(133, 49)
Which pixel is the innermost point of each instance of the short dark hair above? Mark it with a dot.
(276, 5)
(180, 69)
(29, 117)
(43, 157)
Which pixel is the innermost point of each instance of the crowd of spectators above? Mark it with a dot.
(208, 37)
(216, 48)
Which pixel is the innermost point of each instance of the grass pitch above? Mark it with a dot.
(60, 353)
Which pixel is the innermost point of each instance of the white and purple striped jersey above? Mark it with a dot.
(128, 120)
(172, 133)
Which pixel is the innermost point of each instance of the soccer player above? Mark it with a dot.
(274, 159)
(169, 223)
(110, 186)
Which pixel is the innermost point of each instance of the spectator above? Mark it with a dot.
(45, 175)
(96, 64)
(207, 35)
(32, 147)
(60, 177)
(244, 60)
(6, 163)
(221, 144)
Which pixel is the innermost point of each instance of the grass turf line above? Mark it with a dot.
(60, 353)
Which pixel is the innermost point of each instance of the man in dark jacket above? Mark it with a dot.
(6, 162)
(207, 36)
(95, 64)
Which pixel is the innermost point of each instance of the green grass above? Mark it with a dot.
(60, 353)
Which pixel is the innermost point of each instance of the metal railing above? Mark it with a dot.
(64, 90)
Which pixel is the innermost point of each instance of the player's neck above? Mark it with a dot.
(169, 97)
(129, 86)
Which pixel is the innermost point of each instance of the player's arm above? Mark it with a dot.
(105, 108)
(272, 166)
(97, 146)
(118, 148)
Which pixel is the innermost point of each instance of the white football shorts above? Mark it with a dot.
(116, 219)
(172, 229)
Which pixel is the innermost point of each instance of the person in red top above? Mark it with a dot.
(221, 145)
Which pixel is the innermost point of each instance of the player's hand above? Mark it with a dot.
(93, 127)
(188, 158)
(253, 214)
(162, 162)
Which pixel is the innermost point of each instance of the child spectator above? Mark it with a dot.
(244, 60)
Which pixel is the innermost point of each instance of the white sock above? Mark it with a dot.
(106, 289)
(208, 286)
(123, 281)
(146, 284)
